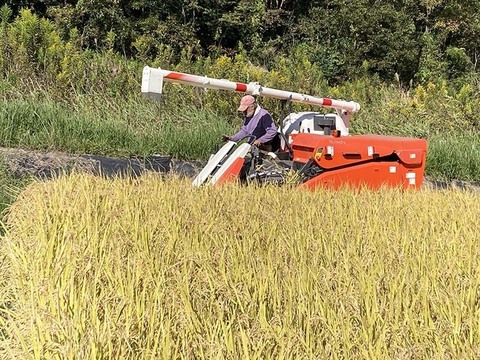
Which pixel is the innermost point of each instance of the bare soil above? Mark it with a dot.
(45, 164)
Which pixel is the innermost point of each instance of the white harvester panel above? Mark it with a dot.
(239, 152)
(308, 122)
(213, 164)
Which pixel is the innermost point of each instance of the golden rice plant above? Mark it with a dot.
(151, 268)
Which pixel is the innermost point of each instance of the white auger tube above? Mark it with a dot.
(152, 84)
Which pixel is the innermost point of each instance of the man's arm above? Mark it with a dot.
(239, 135)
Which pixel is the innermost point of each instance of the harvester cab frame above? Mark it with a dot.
(316, 148)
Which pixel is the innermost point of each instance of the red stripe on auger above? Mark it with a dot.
(327, 102)
(175, 75)
(241, 87)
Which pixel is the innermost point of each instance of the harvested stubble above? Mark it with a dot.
(152, 268)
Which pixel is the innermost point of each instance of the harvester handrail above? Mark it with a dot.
(152, 84)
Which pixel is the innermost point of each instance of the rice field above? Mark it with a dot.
(151, 268)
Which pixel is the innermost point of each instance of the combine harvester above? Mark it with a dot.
(315, 148)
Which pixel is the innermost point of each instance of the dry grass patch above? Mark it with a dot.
(153, 268)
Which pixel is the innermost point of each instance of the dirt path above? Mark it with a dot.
(44, 164)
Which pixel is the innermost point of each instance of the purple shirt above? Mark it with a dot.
(260, 125)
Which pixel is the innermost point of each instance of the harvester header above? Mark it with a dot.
(152, 84)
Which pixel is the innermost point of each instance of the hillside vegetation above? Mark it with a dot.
(71, 82)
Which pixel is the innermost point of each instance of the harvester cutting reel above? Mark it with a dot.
(244, 162)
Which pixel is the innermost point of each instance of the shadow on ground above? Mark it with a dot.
(44, 165)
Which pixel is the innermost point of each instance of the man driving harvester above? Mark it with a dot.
(258, 123)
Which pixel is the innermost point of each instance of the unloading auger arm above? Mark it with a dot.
(152, 84)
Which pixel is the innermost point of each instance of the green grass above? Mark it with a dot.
(135, 127)
(96, 126)
(454, 157)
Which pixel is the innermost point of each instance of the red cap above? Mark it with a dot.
(245, 102)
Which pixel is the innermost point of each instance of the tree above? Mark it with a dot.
(345, 35)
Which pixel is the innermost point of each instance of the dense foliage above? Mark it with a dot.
(418, 40)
